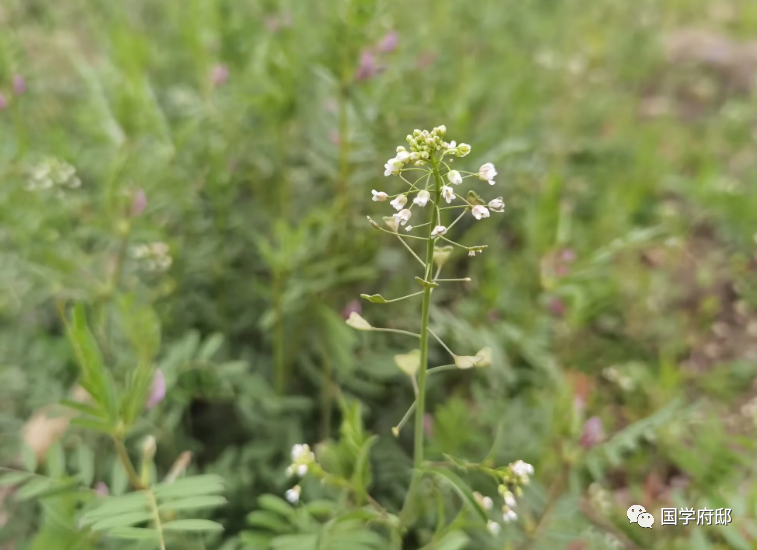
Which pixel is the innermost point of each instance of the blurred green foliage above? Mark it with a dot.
(618, 284)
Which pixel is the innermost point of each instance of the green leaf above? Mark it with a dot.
(14, 478)
(35, 488)
(134, 533)
(193, 503)
(91, 424)
(425, 283)
(210, 347)
(122, 520)
(85, 461)
(114, 506)
(374, 298)
(268, 520)
(361, 476)
(119, 479)
(191, 486)
(83, 408)
(56, 461)
(456, 540)
(460, 487)
(276, 504)
(255, 540)
(295, 542)
(193, 525)
(28, 458)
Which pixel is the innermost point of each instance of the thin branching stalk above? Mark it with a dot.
(422, 370)
(156, 519)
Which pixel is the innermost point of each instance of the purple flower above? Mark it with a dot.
(3, 102)
(556, 307)
(353, 307)
(19, 84)
(158, 392)
(367, 68)
(592, 433)
(568, 255)
(101, 489)
(219, 75)
(387, 44)
(138, 203)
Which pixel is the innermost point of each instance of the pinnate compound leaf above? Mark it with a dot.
(193, 525)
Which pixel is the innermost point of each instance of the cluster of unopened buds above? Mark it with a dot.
(513, 478)
(52, 173)
(302, 459)
(430, 148)
(154, 255)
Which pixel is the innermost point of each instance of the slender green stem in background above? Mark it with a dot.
(344, 145)
(410, 411)
(442, 343)
(411, 251)
(279, 342)
(411, 497)
(398, 331)
(123, 456)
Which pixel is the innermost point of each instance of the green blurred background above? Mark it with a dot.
(247, 135)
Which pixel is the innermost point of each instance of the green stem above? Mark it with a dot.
(411, 496)
(123, 456)
(279, 342)
(398, 331)
(156, 519)
(410, 411)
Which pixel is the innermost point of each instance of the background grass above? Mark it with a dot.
(621, 276)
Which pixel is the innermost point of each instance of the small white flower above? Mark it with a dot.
(471, 253)
(392, 167)
(480, 212)
(509, 499)
(400, 202)
(451, 148)
(438, 231)
(379, 196)
(487, 173)
(487, 503)
(493, 527)
(409, 228)
(455, 177)
(293, 494)
(422, 198)
(403, 216)
(508, 515)
(402, 156)
(448, 193)
(463, 149)
(523, 470)
(497, 205)
(302, 456)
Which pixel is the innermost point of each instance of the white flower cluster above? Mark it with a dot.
(429, 147)
(302, 458)
(520, 473)
(154, 255)
(52, 173)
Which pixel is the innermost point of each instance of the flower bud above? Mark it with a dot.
(149, 447)
(158, 391)
(463, 149)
